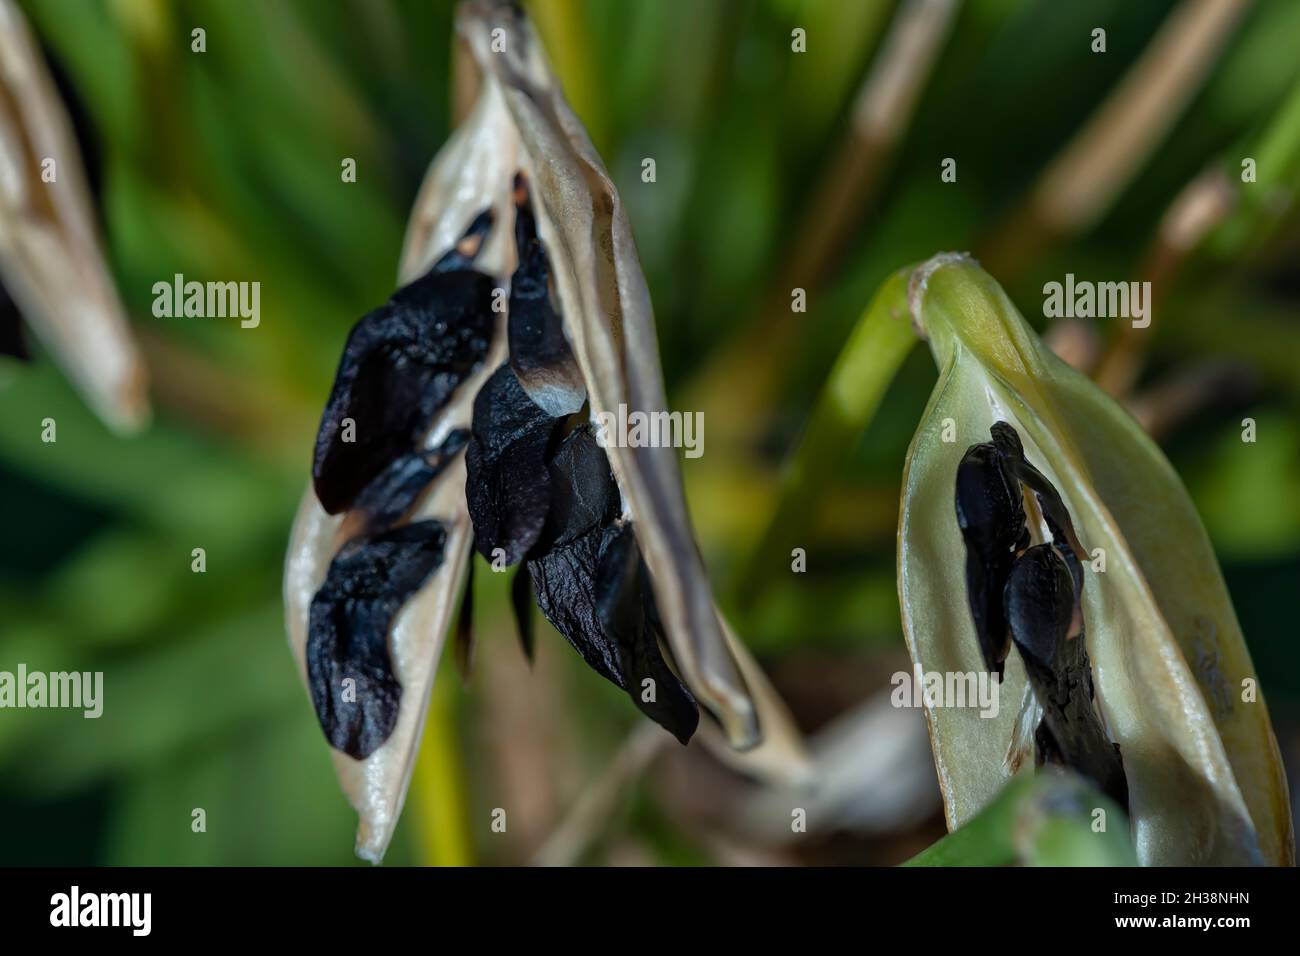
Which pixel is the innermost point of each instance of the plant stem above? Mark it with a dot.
(437, 786)
(862, 372)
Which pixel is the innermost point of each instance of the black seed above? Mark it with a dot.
(622, 598)
(991, 517)
(539, 352)
(507, 484)
(1057, 516)
(591, 585)
(590, 591)
(367, 583)
(521, 602)
(558, 504)
(1030, 596)
(1007, 441)
(400, 366)
(1040, 600)
(584, 494)
(387, 499)
(564, 581)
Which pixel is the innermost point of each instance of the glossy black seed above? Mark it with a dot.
(1031, 596)
(564, 582)
(590, 590)
(584, 494)
(400, 366)
(387, 499)
(991, 516)
(1050, 504)
(539, 352)
(507, 484)
(367, 583)
(590, 584)
(1040, 600)
(1022, 472)
(622, 595)
(1007, 441)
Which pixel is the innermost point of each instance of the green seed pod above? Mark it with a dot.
(1174, 685)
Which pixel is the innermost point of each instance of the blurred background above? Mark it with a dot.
(775, 169)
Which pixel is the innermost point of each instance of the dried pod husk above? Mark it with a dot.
(577, 338)
(1168, 660)
(52, 266)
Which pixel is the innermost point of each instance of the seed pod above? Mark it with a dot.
(601, 535)
(1168, 660)
(51, 265)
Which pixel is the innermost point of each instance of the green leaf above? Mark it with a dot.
(1048, 819)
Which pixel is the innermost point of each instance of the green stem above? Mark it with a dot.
(437, 785)
(867, 364)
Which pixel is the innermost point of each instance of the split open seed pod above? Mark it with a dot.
(1174, 685)
(52, 269)
(471, 396)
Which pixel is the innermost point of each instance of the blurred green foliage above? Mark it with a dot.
(226, 165)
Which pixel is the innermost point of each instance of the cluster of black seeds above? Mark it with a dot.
(539, 490)
(1030, 595)
(401, 365)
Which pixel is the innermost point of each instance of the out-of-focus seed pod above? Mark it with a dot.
(1174, 683)
(51, 262)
